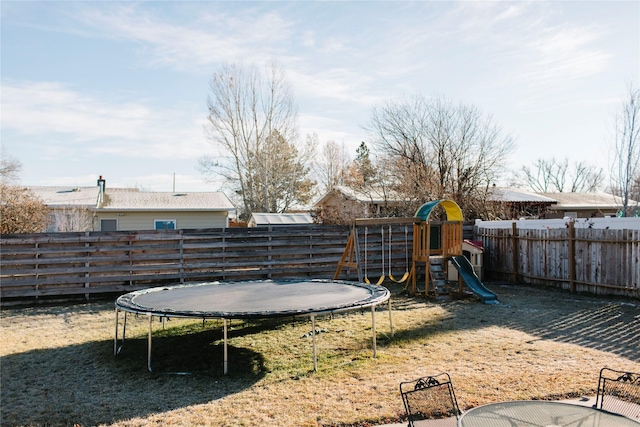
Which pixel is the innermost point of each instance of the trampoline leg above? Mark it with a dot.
(115, 338)
(149, 346)
(390, 319)
(124, 329)
(116, 348)
(313, 335)
(373, 328)
(225, 366)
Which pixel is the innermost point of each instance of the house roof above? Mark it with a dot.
(135, 200)
(570, 201)
(369, 195)
(518, 195)
(473, 246)
(73, 197)
(281, 218)
(131, 199)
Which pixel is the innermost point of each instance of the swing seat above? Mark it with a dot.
(402, 279)
(379, 282)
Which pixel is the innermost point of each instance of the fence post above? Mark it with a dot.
(87, 254)
(572, 256)
(514, 246)
(181, 243)
(270, 251)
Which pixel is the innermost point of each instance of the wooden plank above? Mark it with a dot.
(385, 221)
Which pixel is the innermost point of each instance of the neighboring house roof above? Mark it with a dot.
(68, 197)
(123, 199)
(574, 201)
(517, 195)
(131, 199)
(369, 195)
(259, 219)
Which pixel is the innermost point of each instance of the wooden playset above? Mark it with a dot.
(432, 244)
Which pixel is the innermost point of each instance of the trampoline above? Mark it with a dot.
(250, 300)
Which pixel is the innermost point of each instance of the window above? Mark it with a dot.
(108, 225)
(165, 224)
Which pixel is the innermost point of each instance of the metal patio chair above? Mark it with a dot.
(430, 397)
(619, 392)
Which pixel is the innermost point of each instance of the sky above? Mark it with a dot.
(119, 89)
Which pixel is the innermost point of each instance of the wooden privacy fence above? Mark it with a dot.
(86, 263)
(595, 260)
(59, 264)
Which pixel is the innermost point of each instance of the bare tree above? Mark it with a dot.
(586, 178)
(21, 211)
(551, 175)
(332, 165)
(625, 167)
(9, 168)
(443, 150)
(253, 119)
(71, 219)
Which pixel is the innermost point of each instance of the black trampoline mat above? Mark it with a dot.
(257, 298)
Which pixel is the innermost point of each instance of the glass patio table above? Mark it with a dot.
(541, 413)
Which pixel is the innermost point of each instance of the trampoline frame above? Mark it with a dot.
(120, 305)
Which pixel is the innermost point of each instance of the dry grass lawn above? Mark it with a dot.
(58, 366)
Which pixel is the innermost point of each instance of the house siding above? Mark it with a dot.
(131, 221)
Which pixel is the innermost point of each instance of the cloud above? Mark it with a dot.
(338, 84)
(565, 52)
(196, 44)
(133, 129)
(534, 48)
(560, 58)
(250, 35)
(308, 39)
(328, 129)
(41, 107)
